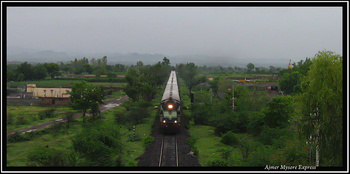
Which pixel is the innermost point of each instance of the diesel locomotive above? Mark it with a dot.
(169, 108)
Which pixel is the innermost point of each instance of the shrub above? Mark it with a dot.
(148, 141)
(132, 138)
(191, 141)
(256, 122)
(261, 156)
(17, 137)
(10, 119)
(49, 113)
(98, 143)
(225, 153)
(230, 138)
(21, 120)
(201, 113)
(120, 115)
(45, 156)
(217, 163)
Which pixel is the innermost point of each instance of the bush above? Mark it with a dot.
(10, 119)
(49, 113)
(230, 138)
(256, 122)
(148, 141)
(217, 163)
(98, 143)
(21, 120)
(225, 153)
(109, 91)
(191, 141)
(201, 113)
(261, 156)
(17, 137)
(120, 115)
(45, 156)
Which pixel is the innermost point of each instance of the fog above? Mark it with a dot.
(229, 34)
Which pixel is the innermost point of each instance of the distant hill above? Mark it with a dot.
(42, 56)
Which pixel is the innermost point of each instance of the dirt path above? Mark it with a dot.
(104, 107)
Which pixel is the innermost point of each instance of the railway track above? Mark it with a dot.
(169, 156)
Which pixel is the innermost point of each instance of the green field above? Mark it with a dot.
(59, 136)
(19, 117)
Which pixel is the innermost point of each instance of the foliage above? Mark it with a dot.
(45, 156)
(201, 113)
(260, 156)
(191, 141)
(86, 97)
(250, 67)
(321, 105)
(120, 115)
(230, 138)
(217, 163)
(26, 71)
(278, 112)
(52, 69)
(142, 81)
(255, 122)
(225, 153)
(49, 113)
(148, 141)
(188, 72)
(98, 143)
(17, 137)
(290, 81)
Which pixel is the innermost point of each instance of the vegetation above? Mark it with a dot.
(273, 130)
(85, 97)
(229, 124)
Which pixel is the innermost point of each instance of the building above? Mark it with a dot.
(34, 91)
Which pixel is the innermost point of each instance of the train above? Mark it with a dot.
(170, 107)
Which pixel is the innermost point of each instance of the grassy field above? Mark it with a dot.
(209, 146)
(108, 84)
(19, 117)
(60, 138)
(207, 143)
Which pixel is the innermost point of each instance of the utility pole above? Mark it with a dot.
(233, 97)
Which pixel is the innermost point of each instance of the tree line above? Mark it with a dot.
(310, 112)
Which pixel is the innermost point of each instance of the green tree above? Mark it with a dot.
(188, 73)
(278, 112)
(86, 97)
(290, 82)
(132, 88)
(166, 61)
(321, 106)
(40, 72)
(250, 67)
(24, 71)
(20, 77)
(52, 69)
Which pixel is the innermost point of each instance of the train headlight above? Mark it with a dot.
(175, 121)
(164, 121)
(170, 106)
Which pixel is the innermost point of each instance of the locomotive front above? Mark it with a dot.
(170, 107)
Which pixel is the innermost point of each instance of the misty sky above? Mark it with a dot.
(237, 32)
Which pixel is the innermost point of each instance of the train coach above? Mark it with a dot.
(169, 109)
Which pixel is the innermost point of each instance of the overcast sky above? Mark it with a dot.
(239, 32)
